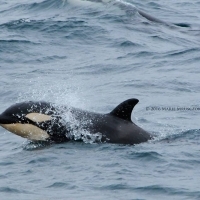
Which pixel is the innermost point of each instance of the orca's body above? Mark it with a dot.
(41, 121)
(124, 5)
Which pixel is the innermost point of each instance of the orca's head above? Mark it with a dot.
(34, 121)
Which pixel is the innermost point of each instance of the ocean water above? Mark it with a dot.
(93, 56)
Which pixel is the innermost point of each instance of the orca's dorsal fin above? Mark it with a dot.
(124, 109)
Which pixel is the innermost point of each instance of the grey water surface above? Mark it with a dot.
(94, 55)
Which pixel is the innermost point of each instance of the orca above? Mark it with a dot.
(129, 7)
(44, 121)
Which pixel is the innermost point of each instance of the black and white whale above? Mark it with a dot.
(42, 121)
(127, 7)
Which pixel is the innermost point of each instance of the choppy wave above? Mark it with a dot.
(192, 135)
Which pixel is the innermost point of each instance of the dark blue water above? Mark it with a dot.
(93, 56)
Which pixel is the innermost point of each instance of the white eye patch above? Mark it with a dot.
(38, 117)
(28, 131)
